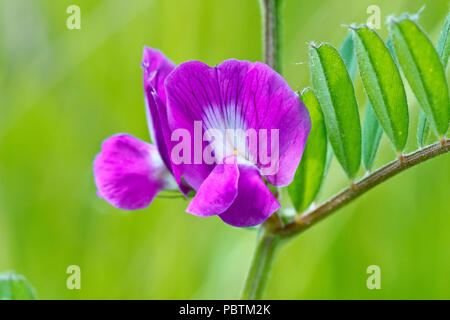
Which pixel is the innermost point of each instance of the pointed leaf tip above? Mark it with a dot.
(383, 85)
(424, 71)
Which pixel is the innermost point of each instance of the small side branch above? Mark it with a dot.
(391, 169)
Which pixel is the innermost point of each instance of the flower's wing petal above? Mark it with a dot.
(191, 87)
(268, 105)
(157, 122)
(217, 192)
(129, 172)
(240, 95)
(156, 68)
(254, 202)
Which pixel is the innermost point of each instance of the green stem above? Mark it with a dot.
(261, 265)
(271, 10)
(268, 243)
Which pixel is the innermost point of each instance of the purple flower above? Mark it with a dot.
(242, 115)
(128, 172)
(236, 95)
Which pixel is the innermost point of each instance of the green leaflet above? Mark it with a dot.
(423, 130)
(443, 49)
(14, 286)
(383, 85)
(372, 130)
(347, 52)
(423, 70)
(371, 137)
(309, 175)
(336, 95)
(443, 46)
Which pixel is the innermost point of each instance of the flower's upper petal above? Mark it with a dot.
(239, 95)
(129, 172)
(217, 192)
(254, 202)
(156, 68)
(269, 103)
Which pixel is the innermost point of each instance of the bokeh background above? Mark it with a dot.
(63, 91)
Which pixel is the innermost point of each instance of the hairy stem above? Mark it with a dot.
(267, 246)
(274, 233)
(268, 242)
(344, 197)
(272, 33)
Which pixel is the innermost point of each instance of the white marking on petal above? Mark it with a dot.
(233, 130)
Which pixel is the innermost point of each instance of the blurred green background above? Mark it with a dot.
(63, 91)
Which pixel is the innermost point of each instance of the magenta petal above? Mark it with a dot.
(129, 172)
(156, 68)
(266, 102)
(157, 123)
(254, 202)
(189, 89)
(292, 140)
(243, 96)
(217, 192)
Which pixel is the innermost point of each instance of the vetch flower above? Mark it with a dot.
(236, 95)
(129, 172)
(242, 115)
